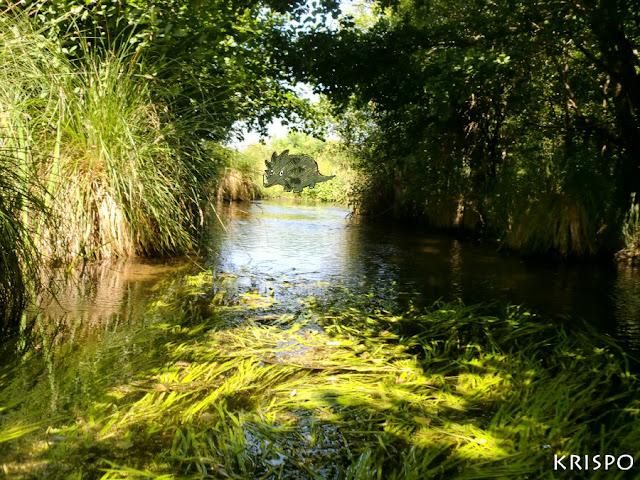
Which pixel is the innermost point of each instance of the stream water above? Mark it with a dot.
(106, 328)
(291, 250)
(296, 243)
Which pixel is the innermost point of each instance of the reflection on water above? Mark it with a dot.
(626, 297)
(101, 330)
(100, 291)
(292, 251)
(296, 240)
(94, 302)
(93, 331)
(295, 243)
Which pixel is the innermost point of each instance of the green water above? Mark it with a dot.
(306, 244)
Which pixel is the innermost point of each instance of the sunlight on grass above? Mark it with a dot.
(358, 392)
(100, 160)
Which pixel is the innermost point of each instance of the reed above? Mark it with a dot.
(122, 171)
(19, 260)
(555, 223)
(23, 202)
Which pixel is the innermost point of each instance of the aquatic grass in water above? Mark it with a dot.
(355, 391)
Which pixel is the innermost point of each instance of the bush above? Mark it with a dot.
(122, 175)
(331, 157)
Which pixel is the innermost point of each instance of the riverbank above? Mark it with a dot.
(217, 380)
(98, 161)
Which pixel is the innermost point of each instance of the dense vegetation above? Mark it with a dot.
(514, 120)
(213, 382)
(242, 176)
(519, 120)
(110, 116)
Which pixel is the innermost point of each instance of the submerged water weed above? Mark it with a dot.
(352, 392)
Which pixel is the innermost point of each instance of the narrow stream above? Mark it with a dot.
(293, 250)
(106, 335)
(310, 243)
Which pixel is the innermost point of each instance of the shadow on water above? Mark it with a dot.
(285, 359)
(321, 244)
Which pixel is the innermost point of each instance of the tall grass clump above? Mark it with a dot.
(23, 206)
(123, 172)
(631, 233)
(555, 223)
(239, 178)
(18, 258)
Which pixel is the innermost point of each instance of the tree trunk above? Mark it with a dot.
(619, 61)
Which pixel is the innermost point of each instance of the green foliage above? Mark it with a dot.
(476, 113)
(631, 231)
(19, 260)
(107, 107)
(24, 206)
(219, 52)
(237, 179)
(121, 173)
(631, 227)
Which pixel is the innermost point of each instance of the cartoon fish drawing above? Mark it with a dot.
(293, 172)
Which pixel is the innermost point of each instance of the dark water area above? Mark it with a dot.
(295, 243)
(293, 251)
(112, 332)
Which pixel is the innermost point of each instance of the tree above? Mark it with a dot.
(509, 112)
(216, 54)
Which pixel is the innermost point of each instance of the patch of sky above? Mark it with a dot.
(362, 11)
(276, 129)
